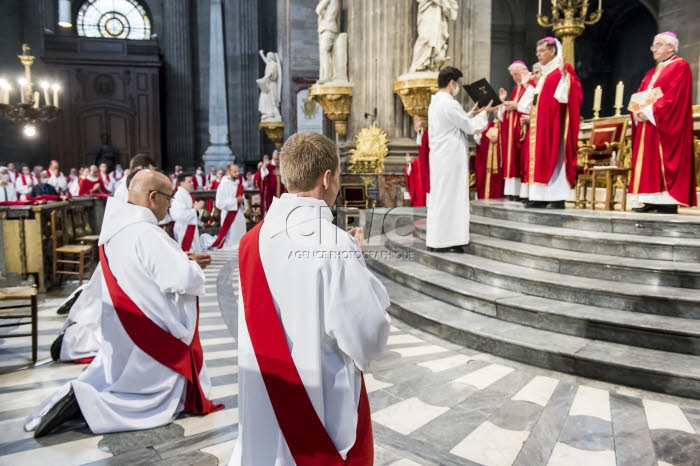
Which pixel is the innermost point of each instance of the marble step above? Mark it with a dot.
(672, 373)
(632, 223)
(615, 268)
(651, 299)
(603, 243)
(632, 328)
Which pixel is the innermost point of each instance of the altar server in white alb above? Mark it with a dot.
(185, 213)
(150, 367)
(230, 201)
(448, 203)
(311, 318)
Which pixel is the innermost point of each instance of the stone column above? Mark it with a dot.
(683, 18)
(218, 153)
(179, 110)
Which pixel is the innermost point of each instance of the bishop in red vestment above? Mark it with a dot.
(663, 172)
(511, 132)
(269, 182)
(488, 166)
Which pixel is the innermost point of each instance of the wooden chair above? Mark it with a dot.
(64, 253)
(20, 293)
(606, 138)
(82, 230)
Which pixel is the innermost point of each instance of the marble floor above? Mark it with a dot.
(433, 403)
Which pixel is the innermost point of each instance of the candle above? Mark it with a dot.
(36, 99)
(600, 4)
(554, 5)
(55, 88)
(597, 97)
(22, 82)
(539, 7)
(45, 87)
(619, 91)
(5, 95)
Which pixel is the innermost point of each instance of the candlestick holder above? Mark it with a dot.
(569, 20)
(617, 111)
(596, 113)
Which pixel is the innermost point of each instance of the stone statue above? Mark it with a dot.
(431, 45)
(328, 12)
(107, 153)
(270, 88)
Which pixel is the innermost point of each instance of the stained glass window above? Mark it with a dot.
(115, 19)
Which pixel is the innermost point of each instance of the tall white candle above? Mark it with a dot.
(600, 4)
(4, 92)
(619, 92)
(597, 98)
(55, 88)
(37, 96)
(22, 82)
(45, 87)
(539, 7)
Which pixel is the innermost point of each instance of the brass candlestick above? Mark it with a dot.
(569, 19)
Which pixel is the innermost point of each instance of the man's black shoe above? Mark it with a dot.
(536, 204)
(64, 410)
(667, 208)
(646, 208)
(557, 205)
(56, 348)
(68, 303)
(457, 249)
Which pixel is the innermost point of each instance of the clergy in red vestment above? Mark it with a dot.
(554, 124)
(414, 181)
(92, 185)
(488, 163)
(269, 181)
(529, 80)
(663, 172)
(510, 133)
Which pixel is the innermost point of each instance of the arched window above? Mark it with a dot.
(115, 19)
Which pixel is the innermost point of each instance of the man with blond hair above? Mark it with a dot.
(305, 337)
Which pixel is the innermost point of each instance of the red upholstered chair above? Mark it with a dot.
(606, 138)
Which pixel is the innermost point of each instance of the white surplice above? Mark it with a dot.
(183, 213)
(124, 388)
(82, 334)
(227, 202)
(448, 203)
(332, 309)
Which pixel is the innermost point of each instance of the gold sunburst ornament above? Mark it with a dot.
(371, 147)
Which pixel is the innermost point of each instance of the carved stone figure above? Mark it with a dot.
(270, 89)
(328, 12)
(431, 45)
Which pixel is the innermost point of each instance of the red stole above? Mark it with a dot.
(509, 138)
(228, 221)
(188, 238)
(663, 154)
(303, 431)
(550, 121)
(173, 353)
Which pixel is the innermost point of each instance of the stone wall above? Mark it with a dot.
(683, 18)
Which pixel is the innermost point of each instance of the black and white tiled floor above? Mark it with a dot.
(433, 402)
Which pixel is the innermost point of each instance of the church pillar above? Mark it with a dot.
(243, 67)
(176, 45)
(683, 18)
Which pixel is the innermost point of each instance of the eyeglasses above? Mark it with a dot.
(656, 46)
(169, 196)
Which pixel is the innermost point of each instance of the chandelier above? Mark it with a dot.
(569, 20)
(28, 111)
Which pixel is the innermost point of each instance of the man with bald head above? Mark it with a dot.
(663, 173)
(150, 367)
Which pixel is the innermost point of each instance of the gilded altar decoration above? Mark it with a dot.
(415, 91)
(335, 101)
(274, 131)
(371, 147)
(569, 20)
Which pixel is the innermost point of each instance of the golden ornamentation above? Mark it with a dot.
(696, 143)
(371, 147)
(415, 94)
(309, 108)
(335, 101)
(368, 181)
(569, 19)
(274, 131)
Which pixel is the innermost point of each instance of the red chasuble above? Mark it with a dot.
(662, 154)
(424, 157)
(414, 183)
(488, 166)
(303, 431)
(552, 123)
(269, 187)
(86, 187)
(510, 138)
(173, 353)
(228, 221)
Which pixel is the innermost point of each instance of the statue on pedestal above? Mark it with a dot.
(429, 51)
(270, 89)
(328, 12)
